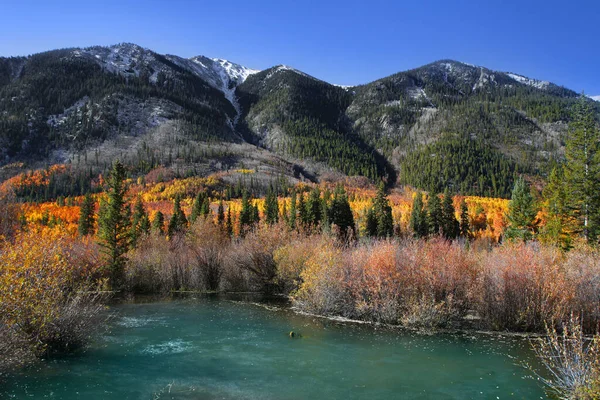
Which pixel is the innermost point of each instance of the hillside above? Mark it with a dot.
(87, 107)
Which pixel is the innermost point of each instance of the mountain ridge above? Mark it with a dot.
(62, 105)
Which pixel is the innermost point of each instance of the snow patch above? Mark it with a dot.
(529, 82)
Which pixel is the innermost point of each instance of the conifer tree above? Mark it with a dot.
(558, 227)
(302, 212)
(434, 214)
(221, 214)
(418, 217)
(521, 212)
(450, 225)
(198, 206)
(465, 226)
(293, 210)
(371, 223)
(113, 225)
(246, 214)
(140, 224)
(582, 169)
(314, 208)
(86, 216)
(158, 223)
(340, 213)
(271, 208)
(178, 221)
(229, 223)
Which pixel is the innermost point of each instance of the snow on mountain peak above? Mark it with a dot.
(529, 82)
(236, 73)
(595, 98)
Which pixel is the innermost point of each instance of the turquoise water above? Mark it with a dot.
(221, 349)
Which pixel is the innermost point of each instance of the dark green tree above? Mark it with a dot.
(434, 214)
(86, 216)
(140, 224)
(113, 225)
(178, 222)
(418, 217)
(450, 225)
(229, 223)
(465, 226)
(158, 223)
(271, 208)
(558, 227)
(293, 210)
(380, 222)
(340, 213)
(582, 169)
(221, 214)
(522, 211)
(314, 208)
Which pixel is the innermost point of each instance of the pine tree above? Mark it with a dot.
(86, 216)
(582, 169)
(221, 214)
(113, 225)
(271, 208)
(521, 212)
(434, 214)
(450, 225)
(198, 206)
(371, 223)
(418, 217)
(314, 208)
(158, 223)
(246, 214)
(178, 221)
(293, 211)
(465, 227)
(229, 223)
(302, 212)
(558, 225)
(140, 224)
(340, 213)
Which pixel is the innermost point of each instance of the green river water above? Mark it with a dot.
(213, 348)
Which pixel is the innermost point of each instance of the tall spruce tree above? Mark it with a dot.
(380, 222)
(113, 225)
(221, 214)
(465, 226)
(229, 223)
(418, 217)
(293, 210)
(140, 223)
(450, 225)
(558, 227)
(158, 223)
(340, 213)
(582, 169)
(178, 222)
(434, 214)
(314, 208)
(86, 216)
(522, 212)
(271, 208)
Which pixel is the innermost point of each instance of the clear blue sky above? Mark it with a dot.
(345, 42)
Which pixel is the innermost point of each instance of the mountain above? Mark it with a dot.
(445, 124)
(596, 98)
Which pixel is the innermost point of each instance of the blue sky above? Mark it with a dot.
(344, 42)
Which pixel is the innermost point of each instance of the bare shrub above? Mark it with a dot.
(15, 349)
(523, 287)
(79, 317)
(254, 255)
(426, 314)
(208, 244)
(571, 361)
